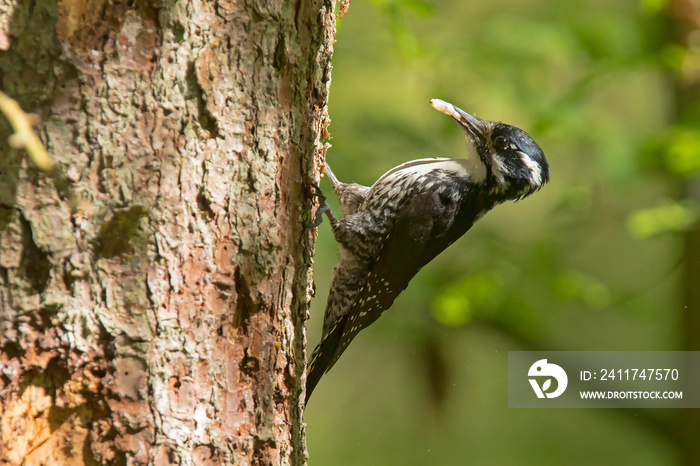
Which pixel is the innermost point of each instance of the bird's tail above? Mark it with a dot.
(322, 358)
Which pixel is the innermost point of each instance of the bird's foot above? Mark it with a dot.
(323, 207)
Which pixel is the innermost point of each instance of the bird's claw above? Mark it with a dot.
(319, 216)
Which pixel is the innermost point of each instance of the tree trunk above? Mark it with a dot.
(684, 22)
(154, 288)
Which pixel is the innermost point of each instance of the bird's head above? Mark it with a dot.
(503, 156)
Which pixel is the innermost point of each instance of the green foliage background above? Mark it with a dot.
(592, 262)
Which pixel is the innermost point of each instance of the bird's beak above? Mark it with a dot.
(473, 125)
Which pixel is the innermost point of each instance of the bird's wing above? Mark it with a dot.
(418, 235)
(423, 229)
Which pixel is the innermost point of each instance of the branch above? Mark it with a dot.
(24, 136)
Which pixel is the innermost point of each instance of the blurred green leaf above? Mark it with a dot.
(653, 6)
(668, 217)
(463, 299)
(419, 7)
(503, 37)
(683, 152)
(574, 285)
(397, 12)
(673, 56)
(610, 36)
(691, 63)
(575, 199)
(452, 309)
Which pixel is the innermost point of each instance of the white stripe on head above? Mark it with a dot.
(535, 177)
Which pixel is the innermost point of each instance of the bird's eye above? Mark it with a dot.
(500, 142)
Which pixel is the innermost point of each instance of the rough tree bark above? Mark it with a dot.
(154, 289)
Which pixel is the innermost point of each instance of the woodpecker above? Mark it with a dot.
(390, 230)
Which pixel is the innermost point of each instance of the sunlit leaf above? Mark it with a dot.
(669, 217)
(683, 152)
(452, 310)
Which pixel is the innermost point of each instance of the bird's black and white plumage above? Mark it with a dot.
(390, 230)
